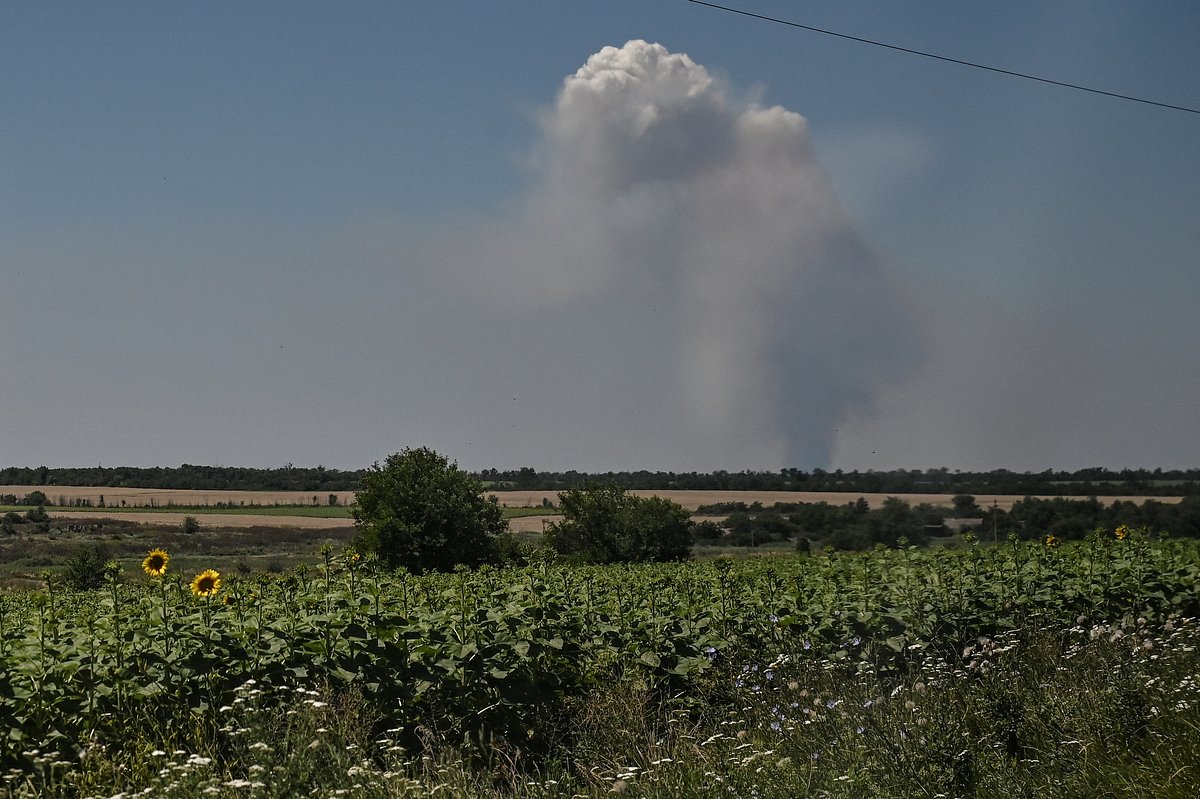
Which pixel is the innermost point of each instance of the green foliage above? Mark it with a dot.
(36, 498)
(854, 525)
(213, 478)
(417, 510)
(37, 514)
(965, 507)
(844, 527)
(602, 523)
(86, 569)
(890, 673)
(707, 531)
(1082, 483)
(190, 525)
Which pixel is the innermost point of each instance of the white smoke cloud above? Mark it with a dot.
(698, 234)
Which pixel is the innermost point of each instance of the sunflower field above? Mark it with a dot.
(1016, 669)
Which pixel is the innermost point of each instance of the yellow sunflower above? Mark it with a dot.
(207, 583)
(1051, 541)
(1121, 532)
(155, 563)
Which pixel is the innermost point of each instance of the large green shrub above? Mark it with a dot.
(417, 510)
(603, 523)
(87, 568)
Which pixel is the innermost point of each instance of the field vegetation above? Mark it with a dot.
(290, 478)
(1028, 668)
(32, 551)
(285, 511)
(430, 650)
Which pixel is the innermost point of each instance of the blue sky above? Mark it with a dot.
(253, 234)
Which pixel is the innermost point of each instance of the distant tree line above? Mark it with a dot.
(1083, 483)
(1089, 482)
(855, 525)
(1074, 518)
(209, 478)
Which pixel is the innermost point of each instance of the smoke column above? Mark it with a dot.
(708, 222)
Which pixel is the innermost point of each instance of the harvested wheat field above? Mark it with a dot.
(166, 498)
(694, 499)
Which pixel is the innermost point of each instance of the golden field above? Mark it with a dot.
(166, 498)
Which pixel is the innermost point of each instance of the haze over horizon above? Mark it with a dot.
(637, 237)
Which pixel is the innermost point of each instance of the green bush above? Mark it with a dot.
(86, 568)
(602, 523)
(419, 511)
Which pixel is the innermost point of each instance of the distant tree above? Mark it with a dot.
(707, 530)
(420, 511)
(851, 537)
(86, 569)
(742, 530)
(965, 507)
(190, 525)
(602, 523)
(36, 498)
(37, 514)
(893, 521)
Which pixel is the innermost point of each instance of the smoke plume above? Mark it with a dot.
(696, 234)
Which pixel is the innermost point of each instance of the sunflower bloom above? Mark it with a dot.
(1051, 541)
(155, 563)
(207, 583)
(1121, 532)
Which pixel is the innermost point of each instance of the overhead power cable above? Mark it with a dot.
(937, 57)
